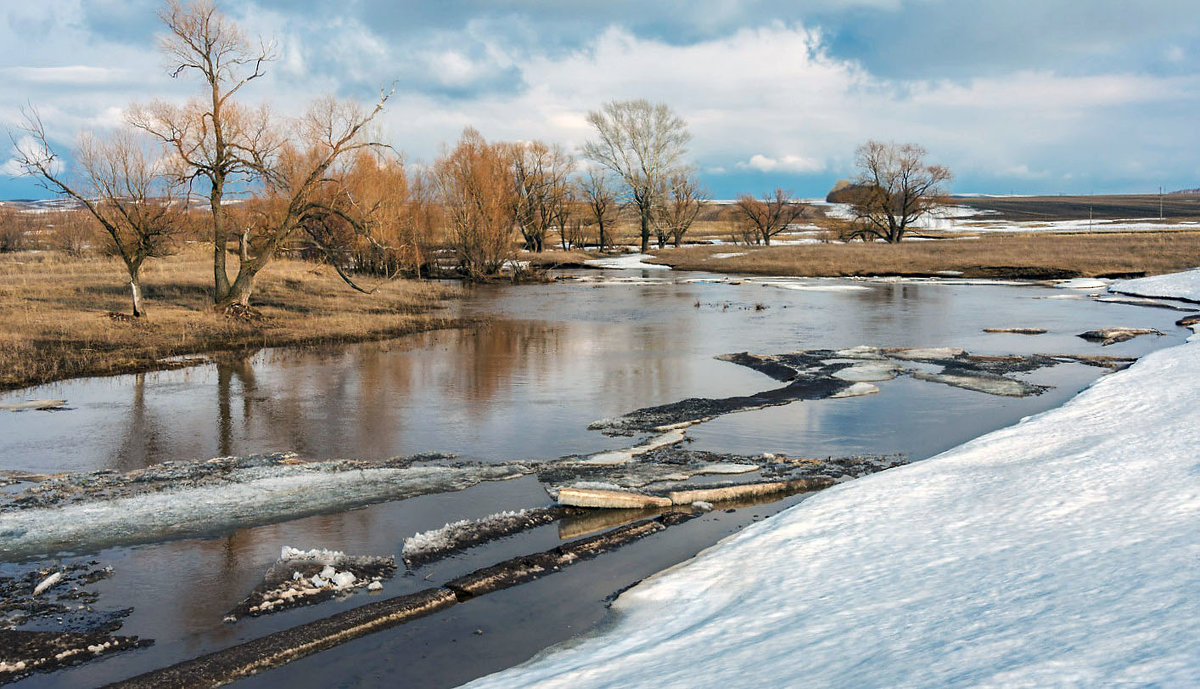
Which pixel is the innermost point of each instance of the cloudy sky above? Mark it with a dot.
(1025, 96)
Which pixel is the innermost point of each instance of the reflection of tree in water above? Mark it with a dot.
(142, 443)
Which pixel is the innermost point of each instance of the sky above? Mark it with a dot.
(1014, 96)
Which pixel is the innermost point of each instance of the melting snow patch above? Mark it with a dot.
(626, 262)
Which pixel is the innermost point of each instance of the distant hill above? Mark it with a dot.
(1185, 191)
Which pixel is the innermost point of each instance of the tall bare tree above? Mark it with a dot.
(122, 183)
(479, 197)
(307, 185)
(596, 192)
(220, 141)
(678, 204)
(542, 174)
(644, 144)
(895, 187)
(766, 217)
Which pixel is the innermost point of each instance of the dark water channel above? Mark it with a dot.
(553, 359)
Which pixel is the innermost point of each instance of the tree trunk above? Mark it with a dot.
(220, 244)
(244, 246)
(135, 289)
(241, 289)
(645, 230)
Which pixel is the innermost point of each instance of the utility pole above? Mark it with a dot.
(1160, 203)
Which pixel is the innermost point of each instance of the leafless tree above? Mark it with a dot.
(678, 204)
(307, 184)
(122, 184)
(644, 145)
(895, 187)
(764, 218)
(219, 140)
(479, 199)
(542, 174)
(75, 233)
(15, 230)
(596, 192)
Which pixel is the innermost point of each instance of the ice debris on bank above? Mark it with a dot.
(1057, 551)
(304, 577)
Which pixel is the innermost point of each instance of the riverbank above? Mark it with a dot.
(64, 318)
(1015, 256)
(1060, 550)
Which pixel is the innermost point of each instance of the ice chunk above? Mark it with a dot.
(343, 580)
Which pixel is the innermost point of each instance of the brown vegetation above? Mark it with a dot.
(1010, 255)
(55, 323)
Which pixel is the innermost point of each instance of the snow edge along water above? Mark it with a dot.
(1060, 550)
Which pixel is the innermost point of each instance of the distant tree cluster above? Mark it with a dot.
(322, 185)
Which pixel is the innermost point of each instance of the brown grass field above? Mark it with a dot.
(54, 321)
(1029, 255)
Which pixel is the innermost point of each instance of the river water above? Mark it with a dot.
(551, 359)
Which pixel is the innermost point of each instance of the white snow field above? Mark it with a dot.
(1062, 551)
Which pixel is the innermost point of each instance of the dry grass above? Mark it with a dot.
(1009, 255)
(54, 321)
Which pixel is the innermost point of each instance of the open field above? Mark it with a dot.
(1002, 255)
(1107, 207)
(54, 321)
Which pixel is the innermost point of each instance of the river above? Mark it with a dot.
(551, 359)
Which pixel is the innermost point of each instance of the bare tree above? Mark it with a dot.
(596, 192)
(895, 187)
(219, 140)
(479, 199)
(644, 145)
(15, 230)
(678, 204)
(542, 174)
(766, 217)
(307, 186)
(122, 184)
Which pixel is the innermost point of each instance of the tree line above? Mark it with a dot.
(322, 182)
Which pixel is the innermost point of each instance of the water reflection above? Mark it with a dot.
(552, 359)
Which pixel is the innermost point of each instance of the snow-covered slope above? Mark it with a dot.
(1184, 285)
(1064, 550)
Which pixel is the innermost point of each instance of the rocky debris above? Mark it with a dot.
(1189, 321)
(36, 405)
(41, 594)
(1108, 336)
(1017, 331)
(429, 546)
(23, 653)
(307, 577)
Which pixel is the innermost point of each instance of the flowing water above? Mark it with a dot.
(551, 359)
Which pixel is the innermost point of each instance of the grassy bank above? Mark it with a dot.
(1011, 255)
(54, 321)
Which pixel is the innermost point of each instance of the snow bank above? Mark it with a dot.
(1184, 285)
(1064, 550)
